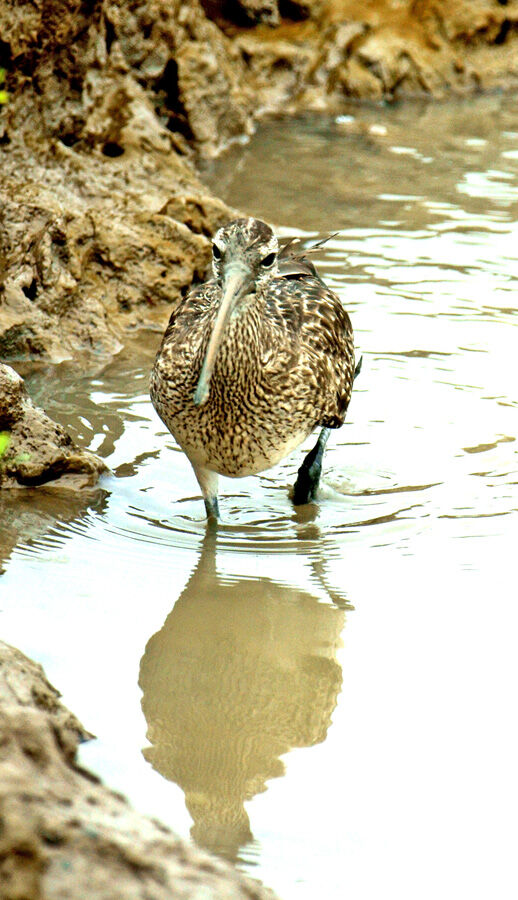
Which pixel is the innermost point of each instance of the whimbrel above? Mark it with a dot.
(253, 361)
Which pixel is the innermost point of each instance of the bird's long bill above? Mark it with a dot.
(234, 285)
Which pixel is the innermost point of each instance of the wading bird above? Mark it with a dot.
(253, 361)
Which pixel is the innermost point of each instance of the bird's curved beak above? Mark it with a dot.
(236, 281)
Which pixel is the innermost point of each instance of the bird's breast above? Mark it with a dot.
(264, 395)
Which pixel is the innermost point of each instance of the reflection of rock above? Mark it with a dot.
(34, 450)
(240, 673)
(63, 834)
(33, 514)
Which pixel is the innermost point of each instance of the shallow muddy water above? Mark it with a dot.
(326, 695)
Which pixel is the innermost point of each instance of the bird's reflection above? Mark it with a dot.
(242, 671)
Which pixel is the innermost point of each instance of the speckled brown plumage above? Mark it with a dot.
(284, 365)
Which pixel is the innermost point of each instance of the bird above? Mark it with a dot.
(253, 361)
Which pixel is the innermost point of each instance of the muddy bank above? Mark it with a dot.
(62, 833)
(380, 50)
(104, 222)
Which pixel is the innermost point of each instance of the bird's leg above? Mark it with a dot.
(211, 508)
(308, 477)
(208, 482)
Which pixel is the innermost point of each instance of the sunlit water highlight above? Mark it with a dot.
(327, 693)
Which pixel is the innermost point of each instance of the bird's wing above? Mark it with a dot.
(315, 326)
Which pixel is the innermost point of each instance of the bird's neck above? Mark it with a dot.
(241, 341)
(245, 321)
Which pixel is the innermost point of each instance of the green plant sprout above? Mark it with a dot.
(5, 440)
(4, 96)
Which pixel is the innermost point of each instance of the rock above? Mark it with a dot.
(34, 450)
(81, 271)
(86, 255)
(384, 49)
(23, 683)
(268, 12)
(255, 11)
(201, 215)
(63, 833)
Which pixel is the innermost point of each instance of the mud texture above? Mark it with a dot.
(104, 223)
(63, 834)
(34, 450)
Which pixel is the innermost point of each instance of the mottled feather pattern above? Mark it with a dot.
(284, 367)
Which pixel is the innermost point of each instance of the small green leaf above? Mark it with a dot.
(3, 73)
(5, 440)
(4, 96)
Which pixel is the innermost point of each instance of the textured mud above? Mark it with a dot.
(62, 833)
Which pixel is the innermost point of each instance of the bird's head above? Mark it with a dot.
(244, 261)
(247, 246)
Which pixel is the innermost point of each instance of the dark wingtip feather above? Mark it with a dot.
(294, 266)
(358, 368)
(292, 258)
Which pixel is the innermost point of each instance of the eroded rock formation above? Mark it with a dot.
(34, 450)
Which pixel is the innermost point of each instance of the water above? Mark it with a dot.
(325, 695)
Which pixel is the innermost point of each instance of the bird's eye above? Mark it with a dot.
(216, 252)
(268, 260)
